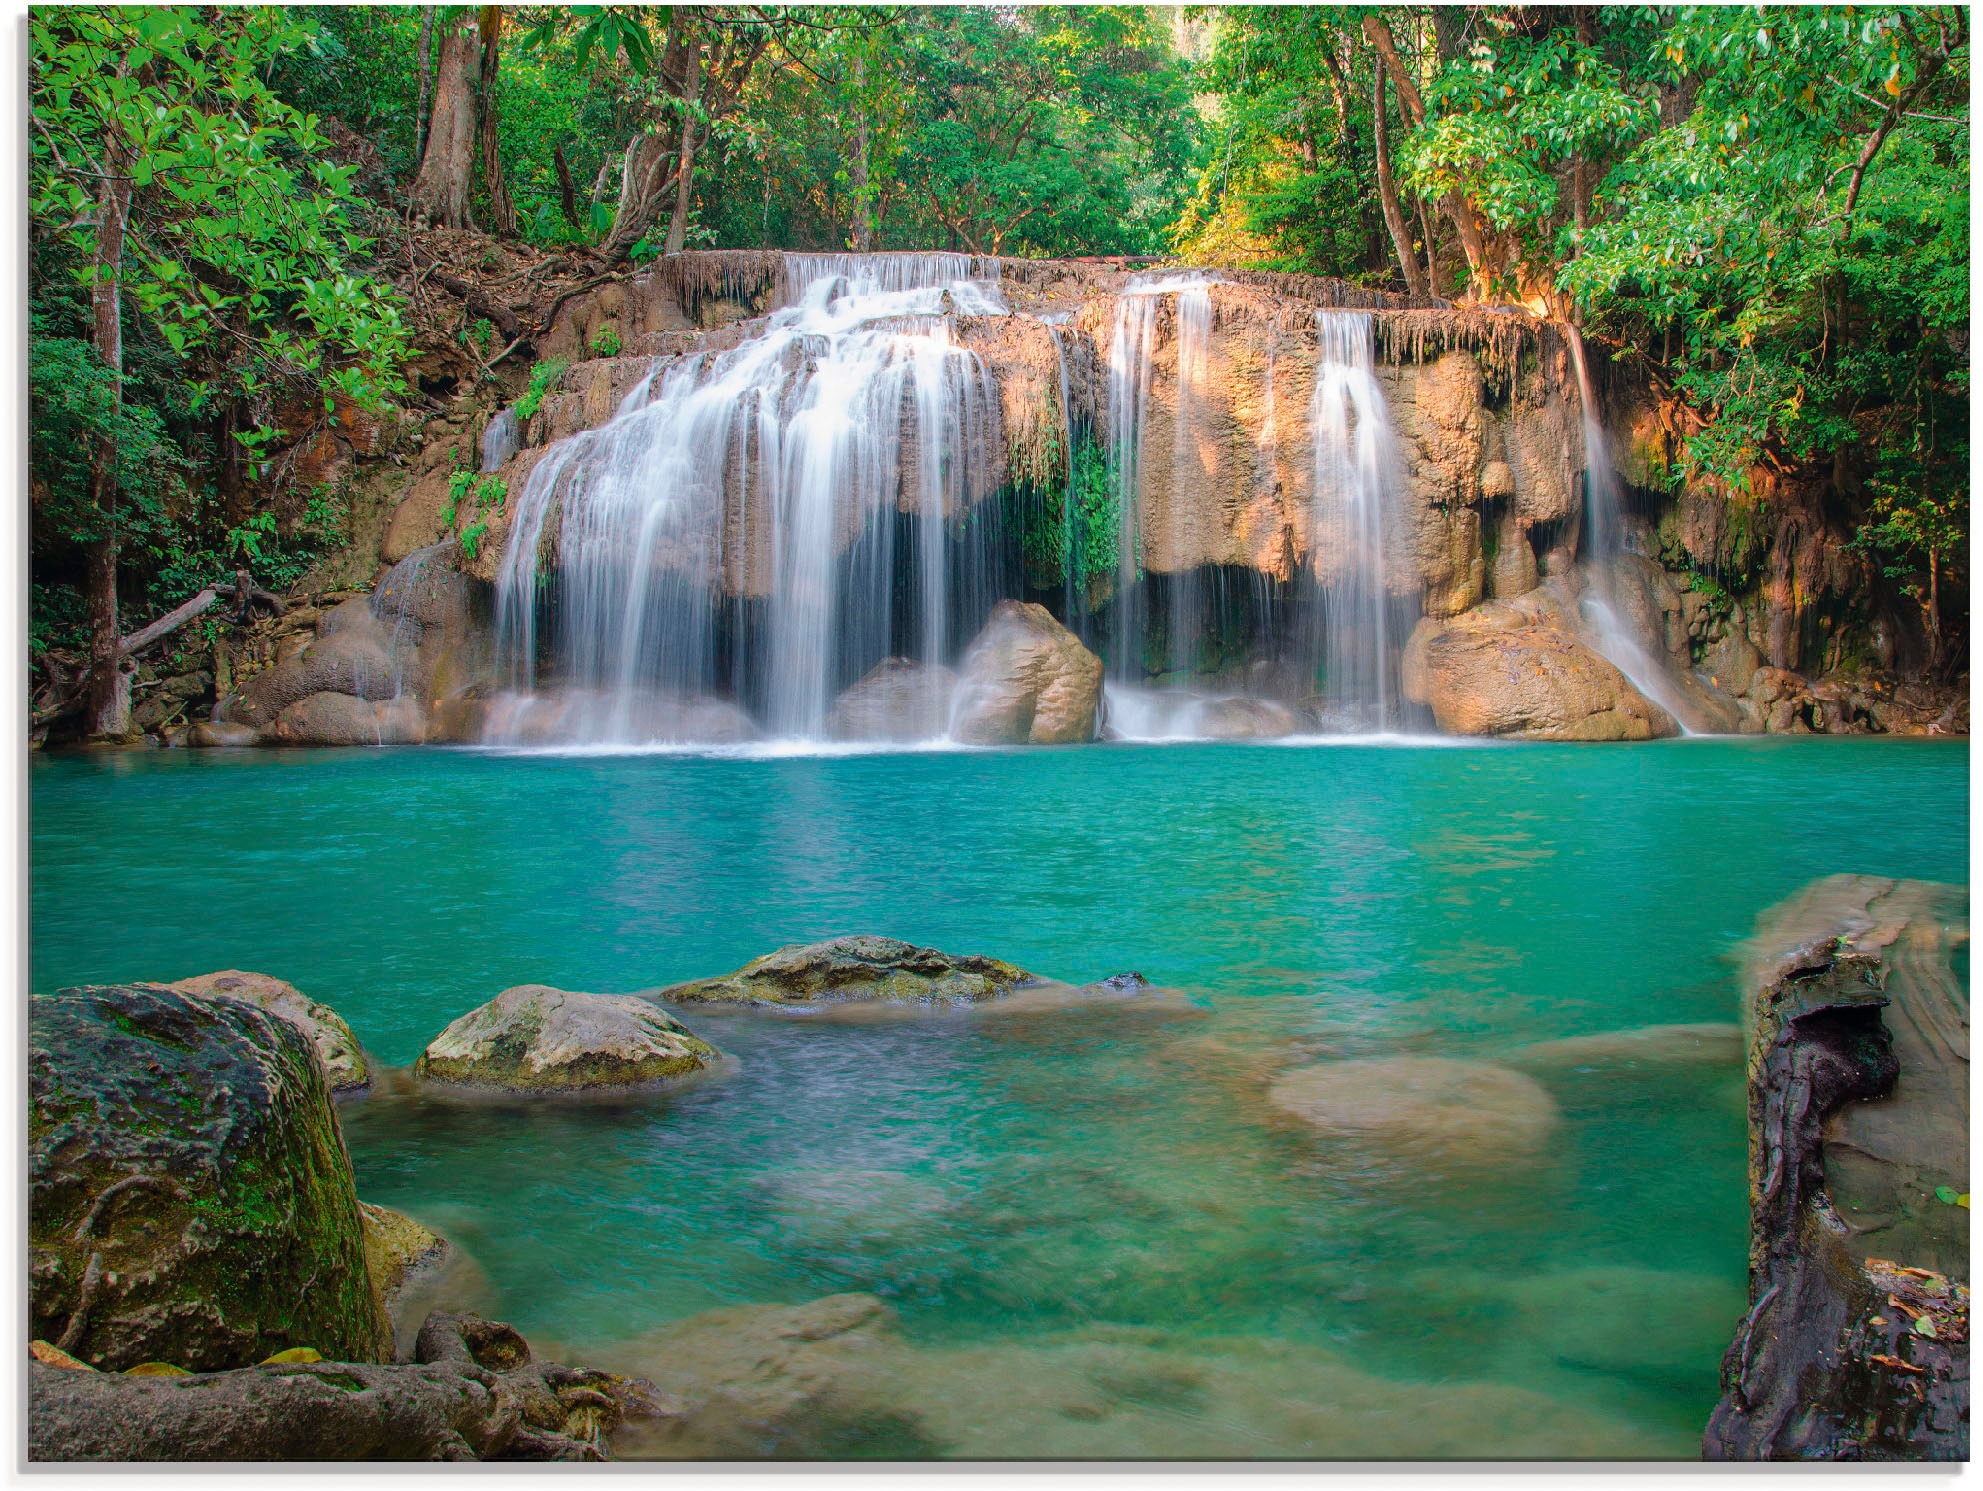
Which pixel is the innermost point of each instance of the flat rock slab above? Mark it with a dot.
(846, 970)
(1458, 1108)
(1858, 1108)
(534, 1038)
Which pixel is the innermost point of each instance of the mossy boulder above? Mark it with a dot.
(396, 1247)
(538, 1039)
(190, 1197)
(337, 1047)
(855, 969)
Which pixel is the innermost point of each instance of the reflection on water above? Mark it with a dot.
(1066, 1232)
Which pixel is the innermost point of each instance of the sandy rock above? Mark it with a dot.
(849, 969)
(206, 734)
(336, 1046)
(341, 720)
(395, 1247)
(1515, 571)
(1731, 662)
(537, 1039)
(190, 1196)
(1493, 672)
(896, 700)
(1463, 1108)
(1026, 679)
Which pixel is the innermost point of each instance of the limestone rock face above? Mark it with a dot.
(897, 700)
(341, 720)
(1461, 1108)
(848, 969)
(336, 1046)
(349, 659)
(1027, 680)
(396, 1245)
(537, 1039)
(1495, 671)
(191, 1200)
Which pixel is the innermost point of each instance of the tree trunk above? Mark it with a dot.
(107, 695)
(863, 225)
(567, 188)
(426, 82)
(1387, 188)
(502, 213)
(678, 224)
(644, 183)
(447, 168)
(1431, 250)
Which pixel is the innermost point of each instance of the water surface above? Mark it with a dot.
(1101, 1207)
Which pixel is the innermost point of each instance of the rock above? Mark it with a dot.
(336, 1046)
(538, 1039)
(341, 720)
(564, 716)
(207, 734)
(351, 660)
(1118, 994)
(1493, 671)
(1611, 1319)
(1243, 719)
(1732, 662)
(896, 700)
(1858, 1107)
(855, 969)
(1459, 1108)
(1026, 679)
(396, 1247)
(190, 1196)
(467, 1397)
(1515, 571)
(1647, 1046)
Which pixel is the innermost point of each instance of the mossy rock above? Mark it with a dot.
(534, 1038)
(190, 1198)
(850, 969)
(337, 1047)
(395, 1247)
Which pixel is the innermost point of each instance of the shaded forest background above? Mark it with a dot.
(234, 220)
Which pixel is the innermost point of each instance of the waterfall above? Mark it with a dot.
(1073, 594)
(1604, 542)
(1131, 345)
(1358, 474)
(777, 468)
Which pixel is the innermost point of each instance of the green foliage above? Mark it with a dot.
(606, 341)
(542, 377)
(1073, 532)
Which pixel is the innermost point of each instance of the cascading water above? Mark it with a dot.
(779, 468)
(1604, 542)
(1358, 474)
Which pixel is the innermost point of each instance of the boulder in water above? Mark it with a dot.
(1026, 679)
(1705, 1045)
(855, 969)
(538, 1039)
(336, 1046)
(207, 734)
(341, 720)
(190, 1199)
(896, 700)
(396, 1247)
(350, 660)
(1454, 1107)
(1495, 671)
(1244, 719)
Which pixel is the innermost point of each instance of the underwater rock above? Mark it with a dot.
(896, 700)
(1457, 1107)
(537, 1039)
(847, 970)
(1494, 671)
(473, 1393)
(337, 1047)
(190, 1197)
(1117, 994)
(1645, 1046)
(1858, 1139)
(1026, 679)
(1614, 1319)
(1244, 719)
(341, 720)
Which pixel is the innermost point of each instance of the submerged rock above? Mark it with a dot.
(1710, 1044)
(1858, 1140)
(190, 1197)
(537, 1039)
(1496, 671)
(897, 700)
(1026, 679)
(1459, 1107)
(1118, 993)
(336, 1046)
(855, 969)
(473, 1393)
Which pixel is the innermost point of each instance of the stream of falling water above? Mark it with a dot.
(776, 468)
(1604, 542)
(1358, 475)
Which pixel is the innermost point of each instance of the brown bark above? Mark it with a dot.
(567, 188)
(1387, 189)
(107, 694)
(644, 183)
(502, 212)
(447, 167)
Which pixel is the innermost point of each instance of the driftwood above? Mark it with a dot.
(471, 1394)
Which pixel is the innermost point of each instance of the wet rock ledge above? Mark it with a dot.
(1856, 1343)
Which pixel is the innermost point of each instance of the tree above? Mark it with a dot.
(442, 190)
(182, 193)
